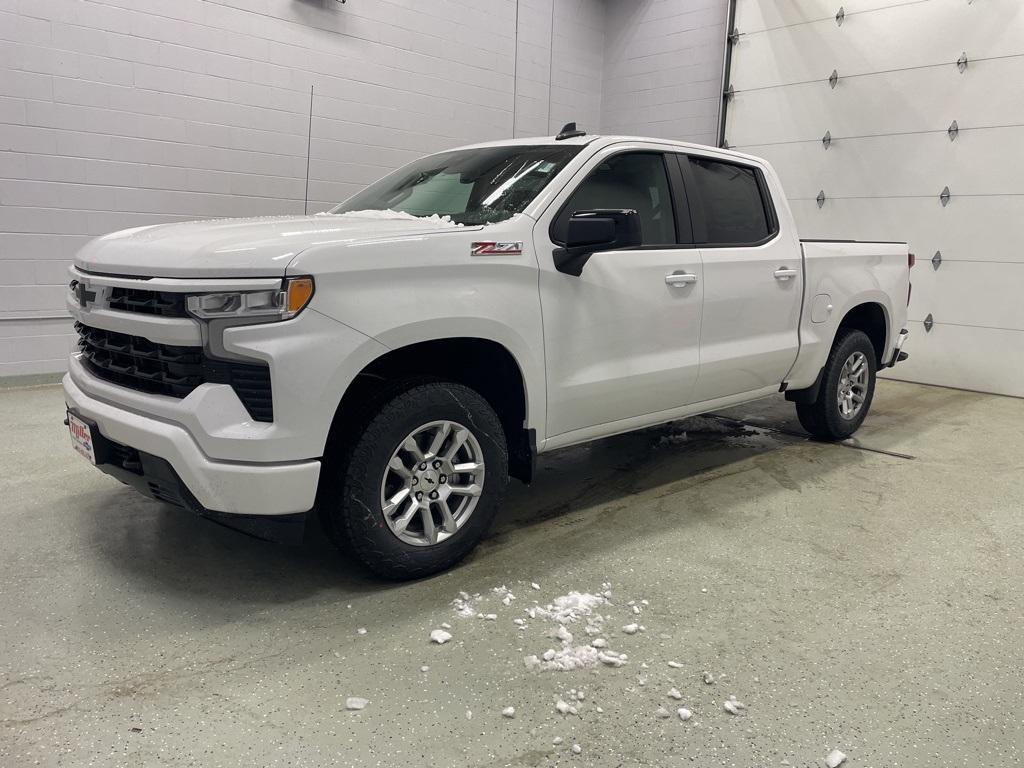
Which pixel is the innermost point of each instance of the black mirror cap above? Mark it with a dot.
(590, 229)
(605, 229)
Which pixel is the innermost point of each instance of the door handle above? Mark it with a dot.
(782, 273)
(680, 278)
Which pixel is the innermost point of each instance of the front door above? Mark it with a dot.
(622, 339)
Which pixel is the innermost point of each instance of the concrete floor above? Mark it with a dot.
(851, 598)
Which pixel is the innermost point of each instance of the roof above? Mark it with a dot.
(603, 141)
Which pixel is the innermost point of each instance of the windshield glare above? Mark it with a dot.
(472, 186)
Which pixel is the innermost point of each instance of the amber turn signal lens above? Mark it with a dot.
(300, 291)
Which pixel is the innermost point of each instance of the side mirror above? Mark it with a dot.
(593, 231)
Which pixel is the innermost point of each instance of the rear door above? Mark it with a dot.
(622, 339)
(753, 279)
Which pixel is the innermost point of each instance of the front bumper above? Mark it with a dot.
(216, 487)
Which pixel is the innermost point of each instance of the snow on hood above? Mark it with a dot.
(392, 215)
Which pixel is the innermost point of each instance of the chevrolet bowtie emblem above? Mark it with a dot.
(83, 294)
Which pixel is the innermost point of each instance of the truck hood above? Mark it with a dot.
(259, 247)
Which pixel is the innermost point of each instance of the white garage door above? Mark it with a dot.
(890, 154)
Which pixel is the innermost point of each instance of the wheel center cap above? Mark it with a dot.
(429, 479)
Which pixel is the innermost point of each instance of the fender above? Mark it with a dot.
(486, 329)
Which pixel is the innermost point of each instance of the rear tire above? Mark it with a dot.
(847, 388)
(422, 482)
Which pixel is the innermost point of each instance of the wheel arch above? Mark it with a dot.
(867, 313)
(484, 364)
(871, 317)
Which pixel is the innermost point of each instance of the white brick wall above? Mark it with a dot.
(119, 113)
(663, 68)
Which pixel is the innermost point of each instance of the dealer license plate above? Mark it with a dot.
(81, 437)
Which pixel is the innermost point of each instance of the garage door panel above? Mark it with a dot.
(968, 229)
(982, 359)
(901, 102)
(897, 166)
(767, 14)
(890, 157)
(877, 41)
(995, 288)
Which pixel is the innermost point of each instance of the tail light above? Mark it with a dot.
(911, 260)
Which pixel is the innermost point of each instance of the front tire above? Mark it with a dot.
(847, 388)
(422, 483)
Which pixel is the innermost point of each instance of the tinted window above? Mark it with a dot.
(734, 211)
(472, 186)
(635, 180)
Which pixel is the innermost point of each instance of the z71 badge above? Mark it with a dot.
(496, 249)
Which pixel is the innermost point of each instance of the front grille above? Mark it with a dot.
(163, 303)
(163, 369)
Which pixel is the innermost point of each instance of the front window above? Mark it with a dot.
(635, 180)
(471, 186)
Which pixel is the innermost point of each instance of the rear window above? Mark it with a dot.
(734, 208)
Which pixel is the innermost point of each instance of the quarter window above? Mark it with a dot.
(634, 180)
(730, 195)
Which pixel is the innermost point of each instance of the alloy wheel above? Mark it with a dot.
(432, 483)
(853, 385)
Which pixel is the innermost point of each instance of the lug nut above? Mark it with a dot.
(419, 495)
(443, 479)
(415, 481)
(433, 494)
(423, 466)
(437, 465)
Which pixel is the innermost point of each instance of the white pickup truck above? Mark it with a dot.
(390, 364)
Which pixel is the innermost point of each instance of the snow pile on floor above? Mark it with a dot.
(734, 707)
(835, 758)
(565, 708)
(564, 659)
(504, 594)
(465, 604)
(439, 636)
(390, 215)
(572, 607)
(575, 607)
(356, 703)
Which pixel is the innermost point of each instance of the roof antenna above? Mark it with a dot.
(568, 131)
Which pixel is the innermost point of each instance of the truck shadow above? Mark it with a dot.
(610, 488)
(179, 552)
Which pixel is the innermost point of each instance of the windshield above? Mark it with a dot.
(472, 186)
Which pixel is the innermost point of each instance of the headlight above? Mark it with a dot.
(262, 306)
